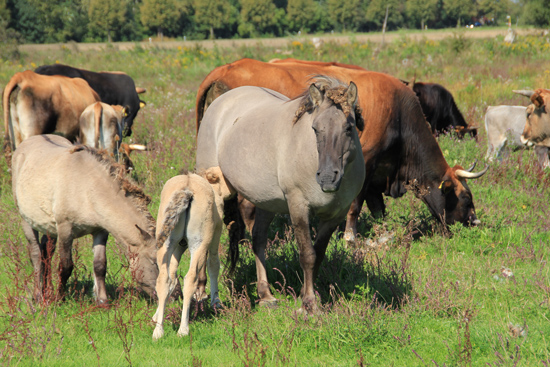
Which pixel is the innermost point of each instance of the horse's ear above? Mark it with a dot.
(315, 95)
(352, 94)
(144, 234)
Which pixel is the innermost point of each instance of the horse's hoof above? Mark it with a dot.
(272, 303)
(217, 305)
(349, 236)
(183, 331)
(103, 303)
(158, 333)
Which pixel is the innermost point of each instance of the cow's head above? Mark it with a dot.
(452, 201)
(537, 124)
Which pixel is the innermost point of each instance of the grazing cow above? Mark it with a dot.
(300, 157)
(114, 88)
(504, 125)
(37, 104)
(440, 109)
(69, 191)
(537, 125)
(190, 216)
(101, 127)
(399, 149)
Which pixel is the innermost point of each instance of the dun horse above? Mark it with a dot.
(301, 157)
(190, 216)
(69, 191)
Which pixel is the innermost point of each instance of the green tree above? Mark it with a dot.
(257, 17)
(160, 14)
(537, 13)
(301, 14)
(106, 16)
(376, 12)
(422, 12)
(459, 11)
(214, 14)
(346, 14)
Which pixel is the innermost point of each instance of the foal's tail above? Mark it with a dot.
(235, 225)
(175, 211)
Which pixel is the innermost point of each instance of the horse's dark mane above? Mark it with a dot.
(334, 89)
(118, 172)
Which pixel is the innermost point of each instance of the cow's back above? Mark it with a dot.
(504, 122)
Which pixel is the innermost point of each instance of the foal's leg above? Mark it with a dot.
(38, 255)
(259, 242)
(168, 257)
(65, 239)
(100, 267)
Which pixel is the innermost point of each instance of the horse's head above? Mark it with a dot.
(335, 120)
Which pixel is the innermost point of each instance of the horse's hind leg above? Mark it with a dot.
(65, 256)
(100, 267)
(37, 254)
(168, 257)
(259, 242)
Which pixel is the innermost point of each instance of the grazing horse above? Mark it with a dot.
(190, 216)
(301, 157)
(69, 191)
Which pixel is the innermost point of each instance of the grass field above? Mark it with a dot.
(431, 296)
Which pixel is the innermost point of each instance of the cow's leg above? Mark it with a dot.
(100, 267)
(64, 236)
(498, 148)
(38, 256)
(168, 257)
(542, 156)
(259, 242)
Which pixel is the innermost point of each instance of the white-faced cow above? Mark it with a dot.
(38, 104)
(537, 124)
(114, 88)
(504, 125)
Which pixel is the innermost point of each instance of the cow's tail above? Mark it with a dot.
(210, 88)
(9, 143)
(175, 212)
(98, 117)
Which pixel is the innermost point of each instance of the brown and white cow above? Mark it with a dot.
(399, 149)
(537, 125)
(37, 104)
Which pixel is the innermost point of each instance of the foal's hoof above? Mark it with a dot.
(271, 303)
(103, 303)
(158, 333)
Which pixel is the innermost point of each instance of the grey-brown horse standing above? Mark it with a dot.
(302, 157)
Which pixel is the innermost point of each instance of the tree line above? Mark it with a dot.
(39, 21)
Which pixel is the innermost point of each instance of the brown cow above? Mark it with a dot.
(36, 104)
(399, 149)
(537, 126)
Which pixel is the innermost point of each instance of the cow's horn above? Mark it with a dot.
(472, 166)
(140, 90)
(524, 92)
(465, 174)
(137, 147)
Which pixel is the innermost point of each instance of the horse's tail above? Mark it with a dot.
(235, 225)
(175, 212)
(12, 84)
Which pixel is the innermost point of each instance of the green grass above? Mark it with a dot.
(432, 296)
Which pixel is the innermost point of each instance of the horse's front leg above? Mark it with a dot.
(299, 214)
(65, 239)
(100, 267)
(259, 242)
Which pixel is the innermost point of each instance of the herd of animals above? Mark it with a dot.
(303, 138)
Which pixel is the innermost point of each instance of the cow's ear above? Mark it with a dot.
(141, 104)
(125, 110)
(446, 186)
(315, 95)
